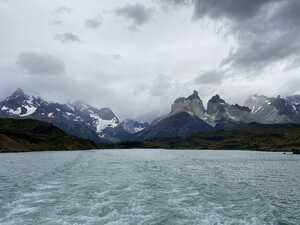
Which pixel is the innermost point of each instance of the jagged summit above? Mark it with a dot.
(192, 104)
(195, 95)
(216, 105)
(217, 99)
(19, 91)
(78, 118)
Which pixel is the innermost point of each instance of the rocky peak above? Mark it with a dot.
(216, 105)
(18, 92)
(192, 104)
(193, 96)
(217, 99)
(18, 95)
(107, 114)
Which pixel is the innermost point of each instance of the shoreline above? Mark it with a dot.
(290, 152)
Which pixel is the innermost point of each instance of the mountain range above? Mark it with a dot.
(187, 116)
(76, 118)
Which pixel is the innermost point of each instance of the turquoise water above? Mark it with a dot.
(149, 187)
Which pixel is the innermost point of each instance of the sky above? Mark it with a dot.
(137, 57)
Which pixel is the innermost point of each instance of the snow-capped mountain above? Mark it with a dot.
(188, 115)
(274, 110)
(75, 118)
(133, 126)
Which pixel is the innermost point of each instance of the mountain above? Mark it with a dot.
(275, 109)
(224, 113)
(78, 119)
(192, 104)
(33, 135)
(132, 126)
(218, 111)
(189, 116)
(180, 124)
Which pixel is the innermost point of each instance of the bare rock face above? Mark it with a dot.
(220, 110)
(216, 105)
(192, 104)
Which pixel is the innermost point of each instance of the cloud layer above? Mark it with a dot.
(67, 37)
(41, 64)
(138, 13)
(214, 46)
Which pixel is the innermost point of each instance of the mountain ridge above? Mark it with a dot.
(18, 135)
(102, 125)
(76, 118)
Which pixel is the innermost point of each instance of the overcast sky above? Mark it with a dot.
(136, 57)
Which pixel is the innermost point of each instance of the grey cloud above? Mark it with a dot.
(265, 30)
(67, 37)
(41, 64)
(268, 38)
(257, 54)
(160, 85)
(138, 13)
(63, 10)
(210, 77)
(94, 23)
(230, 9)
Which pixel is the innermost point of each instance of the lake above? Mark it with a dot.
(149, 187)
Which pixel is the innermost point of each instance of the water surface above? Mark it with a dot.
(149, 187)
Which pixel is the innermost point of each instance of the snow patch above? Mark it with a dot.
(15, 112)
(138, 129)
(102, 124)
(29, 110)
(4, 108)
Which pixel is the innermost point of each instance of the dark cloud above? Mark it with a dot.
(67, 37)
(229, 9)
(41, 64)
(138, 13)
(211, 77)
(63, 10)
(267, 37)
(94, 23)
(265, 30)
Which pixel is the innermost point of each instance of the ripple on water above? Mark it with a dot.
(150, 187)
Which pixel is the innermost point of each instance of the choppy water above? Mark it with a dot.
(149, 187)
